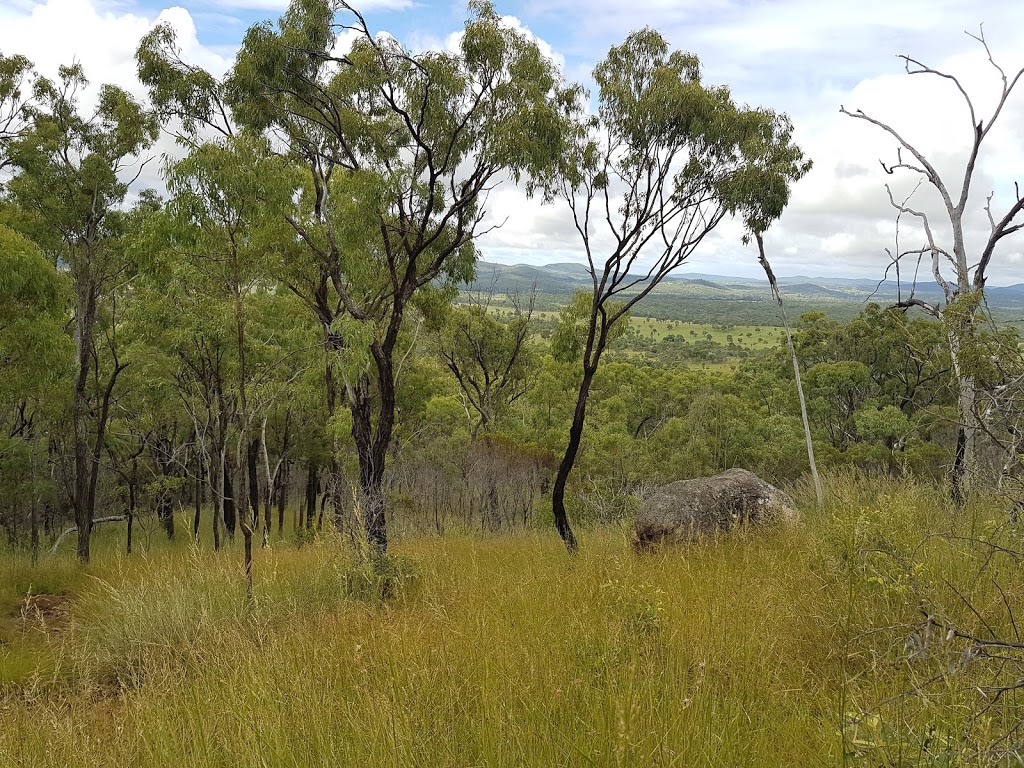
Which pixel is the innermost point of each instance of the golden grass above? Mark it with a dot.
(504, 651)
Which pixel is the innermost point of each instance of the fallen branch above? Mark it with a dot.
(74, 529)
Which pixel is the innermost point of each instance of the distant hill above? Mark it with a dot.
(563, 278)
(707, 298)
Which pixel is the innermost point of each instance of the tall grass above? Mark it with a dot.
(759, 649)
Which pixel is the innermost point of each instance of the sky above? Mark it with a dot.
(802, 57)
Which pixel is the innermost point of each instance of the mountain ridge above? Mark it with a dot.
(562, 277)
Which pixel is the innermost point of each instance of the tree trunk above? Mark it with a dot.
(373, 440)
(163, 454)
(254, 481)
(965, 462)
(85, 312)
(569, 460)
(371, 499)
(819, 494)
(132, 502)
(34, 510)
(217, 486)
(198, 500)
(245, 519)
(271, 478)
(230, 516)
(763, 259)
(312, 491)
(282, 497)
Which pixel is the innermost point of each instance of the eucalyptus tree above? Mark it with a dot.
(221, 235)
(182, 336)
(72, 173)
(189, 100)
(664, 161)
(960, 272)
(34, 350)
(400, 151)
(17, 92)
(32, 305)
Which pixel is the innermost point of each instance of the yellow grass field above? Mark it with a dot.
(776, 648)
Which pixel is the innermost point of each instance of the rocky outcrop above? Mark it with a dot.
(689, 510)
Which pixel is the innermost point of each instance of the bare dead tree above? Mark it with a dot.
(963, 291)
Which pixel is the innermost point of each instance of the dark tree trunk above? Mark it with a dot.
(245, 523)
(217, 489)
(959, 471)
(132, 501)
(163, 454)
(83, 512)
(569, 460)
(312, 492)
(282, 497)
(371, 449)
(34, 511)
(34, 523)
(198, 500)
(85, 318)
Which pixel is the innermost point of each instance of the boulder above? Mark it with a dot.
(689, 510)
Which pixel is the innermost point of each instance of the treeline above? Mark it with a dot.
(278, 332)
(483, 406)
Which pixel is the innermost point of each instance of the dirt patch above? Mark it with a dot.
(44, 612)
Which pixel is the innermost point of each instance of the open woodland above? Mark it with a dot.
(288, 478)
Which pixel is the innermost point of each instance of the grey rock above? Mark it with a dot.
(690, 510)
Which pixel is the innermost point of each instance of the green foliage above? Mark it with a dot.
(33, 305)
(16, 96)
(653, 104)
(69, 166)
(889, 424)
(178, 90)
(570, 337)
(492, 360)
(381, 578)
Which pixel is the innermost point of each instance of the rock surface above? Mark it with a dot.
(689, 510)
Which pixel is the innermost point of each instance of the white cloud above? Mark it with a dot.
(61, 31)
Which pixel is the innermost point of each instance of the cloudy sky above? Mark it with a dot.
(802, 57)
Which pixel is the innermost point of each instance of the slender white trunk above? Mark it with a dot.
(763, 259)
